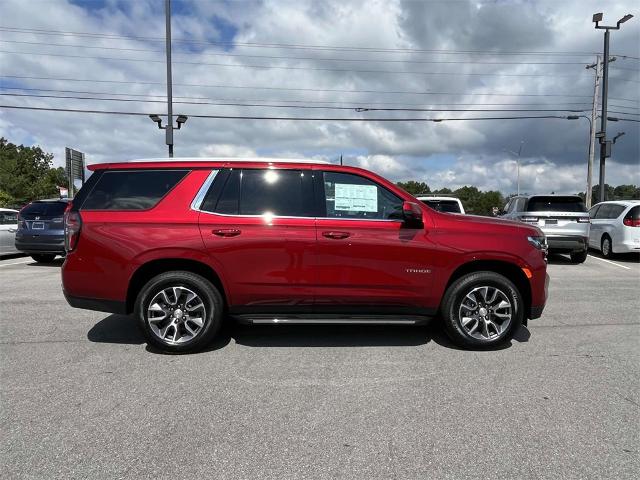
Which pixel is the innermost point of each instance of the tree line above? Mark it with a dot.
(477, 202)
(26, 174)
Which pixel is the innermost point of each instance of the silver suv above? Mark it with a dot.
(563, 219)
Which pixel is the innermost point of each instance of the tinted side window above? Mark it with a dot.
(278, 192)
(353, 196)
(603, 211)
(8, 218)
(132, 189)
(616, 211)
(594, 211)
(634, 213)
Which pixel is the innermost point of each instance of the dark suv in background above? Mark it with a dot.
(183, 243)
(41, 229)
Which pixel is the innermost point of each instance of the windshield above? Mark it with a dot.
(44, 208)
(556, 204)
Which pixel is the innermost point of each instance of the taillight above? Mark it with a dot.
(529, 219)
(72, 227)
(21, 222)
(631, 222)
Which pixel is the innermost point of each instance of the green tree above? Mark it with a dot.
(414, 188)
(26, 174)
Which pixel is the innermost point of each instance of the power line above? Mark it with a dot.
(321, 119)
(36, 31)
(288, 57)
(271, 105)
(314, 69)
(512, 104)
(251, 87)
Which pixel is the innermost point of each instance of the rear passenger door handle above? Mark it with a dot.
(227, 232)
(336, 235)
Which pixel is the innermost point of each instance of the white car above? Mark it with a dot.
(615, 227)
(442, 204)
(8, 228)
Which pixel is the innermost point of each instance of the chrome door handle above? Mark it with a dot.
(227, 232)
(336, 235)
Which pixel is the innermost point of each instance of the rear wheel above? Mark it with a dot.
(605, 247)
(43, 257)
(578, 257)
(179, 312)
(482, 309)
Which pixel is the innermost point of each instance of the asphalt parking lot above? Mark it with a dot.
(82, 396)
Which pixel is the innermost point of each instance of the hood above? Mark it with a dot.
(488, 224)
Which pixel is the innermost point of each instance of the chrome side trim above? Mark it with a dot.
(307, 218)
(199, 198)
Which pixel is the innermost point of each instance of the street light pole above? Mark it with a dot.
(169, 126)
(592, 133)
(517, 155)
(605, 145)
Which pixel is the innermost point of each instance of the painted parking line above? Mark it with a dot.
(15, 263)
(612, 263)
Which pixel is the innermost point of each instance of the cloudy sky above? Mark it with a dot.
(325, 59)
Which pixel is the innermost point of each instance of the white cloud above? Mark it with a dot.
(554, 154)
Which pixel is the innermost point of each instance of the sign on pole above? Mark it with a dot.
(74, 168)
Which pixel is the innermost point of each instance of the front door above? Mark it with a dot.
(259, 230)
(367, 257)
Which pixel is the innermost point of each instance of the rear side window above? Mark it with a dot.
(8, 218)
(634, 213)
(593, 212)
(284, 193)
(131, 189)
(443, 205)
(556, 204)
(45, 208)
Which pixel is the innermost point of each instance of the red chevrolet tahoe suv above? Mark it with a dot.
(184, 243)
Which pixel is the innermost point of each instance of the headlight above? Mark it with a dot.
(539, 242)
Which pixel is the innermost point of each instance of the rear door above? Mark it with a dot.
(258, 226)
(366, 256)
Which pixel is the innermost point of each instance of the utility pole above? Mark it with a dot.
(605, 145)
(592, 131)
(169, 126)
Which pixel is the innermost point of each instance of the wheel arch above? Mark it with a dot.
(510, 270)
(150, 269)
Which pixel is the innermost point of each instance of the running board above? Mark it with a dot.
(333, 319)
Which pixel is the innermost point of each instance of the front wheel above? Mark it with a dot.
(482, 309)
(179, 312)
(578, 257)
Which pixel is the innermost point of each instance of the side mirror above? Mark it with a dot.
(412, 214)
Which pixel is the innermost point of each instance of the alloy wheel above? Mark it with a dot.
(606, 246)
(485, 313)
(176, 315)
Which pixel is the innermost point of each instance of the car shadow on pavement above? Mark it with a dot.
(116, 329)
(121, 329)
(56, 263)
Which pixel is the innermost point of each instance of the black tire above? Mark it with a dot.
(605, 246)
(457, 292)
(211, 299)
(43, 257)
(578, 257)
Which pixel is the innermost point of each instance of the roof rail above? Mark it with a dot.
(225, 159)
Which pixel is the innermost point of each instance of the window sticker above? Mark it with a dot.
(356, 198)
